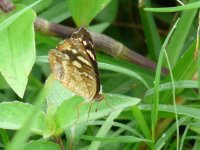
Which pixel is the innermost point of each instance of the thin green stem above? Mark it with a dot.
(173, 95)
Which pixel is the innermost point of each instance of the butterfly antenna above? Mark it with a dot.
(78, 113)
(89, 110)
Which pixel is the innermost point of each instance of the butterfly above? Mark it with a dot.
(73, 63)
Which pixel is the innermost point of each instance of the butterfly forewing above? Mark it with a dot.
(73, 63)
(84, 36)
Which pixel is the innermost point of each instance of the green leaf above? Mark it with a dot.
(17, 48)
(141, 121)
(43, 5)
(178, 84)
(12, 116)
(12, 16)
(74, 134)
(143, 72)
(66, 113)
(156, 99)
(57, 94)
(41, 145)
(174, 9)
(181, 110)
(99, 27)
(57, 13)
(109, 13)
(119, 69)
(24, 133)
(122, 139)
(150, 30)
(124, 127)
(105, 128)
(168, 134)
(83, 11)
(178, 39)
(183, 70)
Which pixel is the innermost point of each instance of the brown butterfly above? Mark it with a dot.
(73, 63)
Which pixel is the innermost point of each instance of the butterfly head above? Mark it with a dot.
(81, 34)
(98, 97)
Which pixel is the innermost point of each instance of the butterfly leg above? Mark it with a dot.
(78, 113)
(91, 102)
(108, 103)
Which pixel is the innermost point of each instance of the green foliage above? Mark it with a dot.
(12, 116)
(42, 145)
(17, 25)
(84, 15)
(142, 108)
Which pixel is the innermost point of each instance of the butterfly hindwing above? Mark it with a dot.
(74, 67)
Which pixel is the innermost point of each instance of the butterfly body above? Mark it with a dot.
(73, 63)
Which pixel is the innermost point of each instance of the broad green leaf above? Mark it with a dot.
(17, 48)
(13, 15)
(99, 27)
(66, 113)
(14, 114)
(57, 94)
(109, 13)
(3, 83)
(83, 11)
(41, 145)
(22, 135)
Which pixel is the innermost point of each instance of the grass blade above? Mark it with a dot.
(104, 129)
(174, 9)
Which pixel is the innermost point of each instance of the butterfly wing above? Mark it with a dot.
(72, 66)
(84, 37)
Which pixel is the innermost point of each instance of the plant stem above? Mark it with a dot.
(59, 141)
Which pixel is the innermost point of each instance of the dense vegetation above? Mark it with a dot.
(147, 53)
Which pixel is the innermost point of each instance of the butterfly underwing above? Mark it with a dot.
(73, 63)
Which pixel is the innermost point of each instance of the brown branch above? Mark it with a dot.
(101, 41)
(6, 5)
